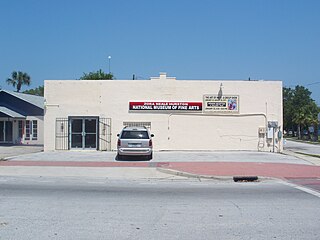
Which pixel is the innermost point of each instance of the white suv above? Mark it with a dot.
(134, 141)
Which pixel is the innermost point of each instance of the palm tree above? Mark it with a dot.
(303, 117)
(18, 79)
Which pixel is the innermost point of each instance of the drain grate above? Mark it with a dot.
(245, 178)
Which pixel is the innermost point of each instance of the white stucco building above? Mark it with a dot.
(182, 114)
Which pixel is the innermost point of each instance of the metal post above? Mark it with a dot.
(274, 132)
(109, 57)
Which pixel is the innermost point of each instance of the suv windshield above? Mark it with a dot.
(134, 135)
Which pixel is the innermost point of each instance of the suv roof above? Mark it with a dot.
(134, 129)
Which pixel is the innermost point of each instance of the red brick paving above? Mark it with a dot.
(276, 170)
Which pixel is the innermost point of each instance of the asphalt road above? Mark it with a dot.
(69, 208)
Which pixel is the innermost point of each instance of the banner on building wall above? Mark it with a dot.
(165, 106)
(221, 104)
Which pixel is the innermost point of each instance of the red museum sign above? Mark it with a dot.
(165, 106)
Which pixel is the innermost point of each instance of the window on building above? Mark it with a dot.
(34, 130)
(28, 131)
(20, 128)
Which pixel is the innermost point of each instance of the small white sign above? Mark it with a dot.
(221, 104)
(270, 133)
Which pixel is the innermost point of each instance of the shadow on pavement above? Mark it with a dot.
(131, 158)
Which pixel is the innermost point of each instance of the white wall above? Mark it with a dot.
(259, 101)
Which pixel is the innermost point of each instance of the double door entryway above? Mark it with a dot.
(83, 132)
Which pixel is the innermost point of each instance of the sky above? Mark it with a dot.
(198, 39)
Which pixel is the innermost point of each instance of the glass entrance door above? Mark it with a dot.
(2, 132)
(90, 137)
(76, 133)
(83, 133)
(8, 131)
(5, 131)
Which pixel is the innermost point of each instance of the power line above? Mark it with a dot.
(303, 85)
(312, 83)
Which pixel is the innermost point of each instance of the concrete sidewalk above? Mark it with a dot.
(306, 151)
(164, 165)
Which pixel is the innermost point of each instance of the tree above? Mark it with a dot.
(299, 109)
(288, 109)
(18, 79)
(302, 117)
(98, 75)
(39, 91)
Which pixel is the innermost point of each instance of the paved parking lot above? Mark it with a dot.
(35, 153)
(163, 156)
(9, 151)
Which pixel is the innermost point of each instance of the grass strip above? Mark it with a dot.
(310, 155)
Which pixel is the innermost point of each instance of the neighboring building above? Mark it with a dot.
(182, 114)
(21, 118)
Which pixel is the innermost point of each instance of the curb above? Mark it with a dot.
(191, 175)
(198, 176)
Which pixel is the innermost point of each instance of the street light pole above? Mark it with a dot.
(109, 57)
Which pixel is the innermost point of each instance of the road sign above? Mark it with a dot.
(272, 124)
